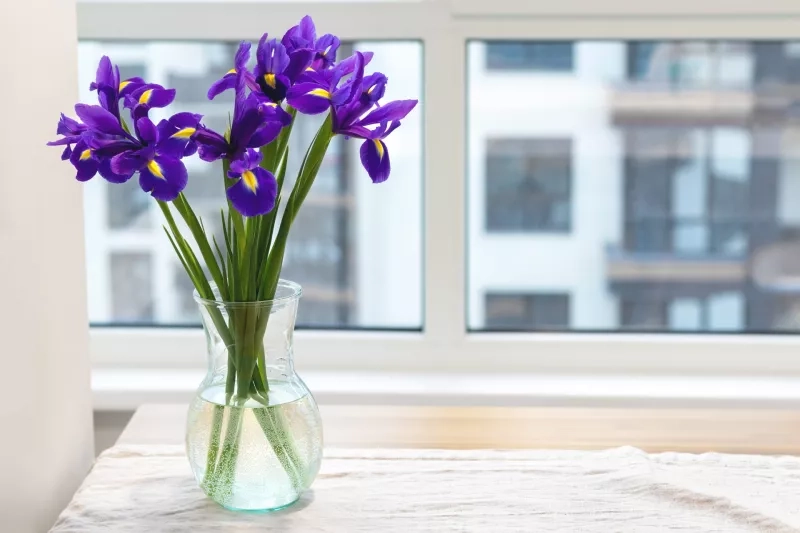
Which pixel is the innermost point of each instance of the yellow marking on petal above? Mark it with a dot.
(369, 91)
(231, 71)
(250, 180)
(155, 169)
(379, 147)
(270, 79)
(185, 133)
(271, 104)
(320, 92)
(86, 154)
(328, 49)
(124, 84)
(310, 68)
(145, 97)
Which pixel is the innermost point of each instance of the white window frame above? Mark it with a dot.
(445, 27)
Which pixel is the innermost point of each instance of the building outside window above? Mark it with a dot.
(691, 65)
(528, 56)
(527, 311)
(528, 185)
(687, 190)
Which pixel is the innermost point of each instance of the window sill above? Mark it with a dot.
(126, 389)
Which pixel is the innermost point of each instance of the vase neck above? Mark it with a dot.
(253, 340)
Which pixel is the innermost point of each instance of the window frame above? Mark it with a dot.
(445, 28)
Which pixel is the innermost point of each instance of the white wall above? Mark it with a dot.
(45, 417)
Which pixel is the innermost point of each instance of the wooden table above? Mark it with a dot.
(756, 431)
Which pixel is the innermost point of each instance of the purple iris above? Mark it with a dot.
(154, 152)
(255, 123)
(255, 189)
(352, 108)
(82, 156)
(72, 132)
(304, 36)
(102, 144)
(228, 81)
(277, 70)
(109, 87)
(147, 96)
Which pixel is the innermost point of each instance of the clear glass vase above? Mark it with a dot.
(253, 434)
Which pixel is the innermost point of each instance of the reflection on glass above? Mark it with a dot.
(650, 185)
(355, 247)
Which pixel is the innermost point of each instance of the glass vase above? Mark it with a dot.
(253, 434)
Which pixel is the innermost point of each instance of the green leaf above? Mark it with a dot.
(305, 179)
(200, 237)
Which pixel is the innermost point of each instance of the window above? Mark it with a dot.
(338, 249)
(514, 71)
(688, 190)
(689, 312)
(528, 185)
(691, 65)
(544, 57)
(132, 273)
(654, 209)
(527, 311)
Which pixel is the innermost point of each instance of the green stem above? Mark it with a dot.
(221, 485)
(213, 445)
(279, 438)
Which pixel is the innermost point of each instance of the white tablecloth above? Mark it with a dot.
(150, 489)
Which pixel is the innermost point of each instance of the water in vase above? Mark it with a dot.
(259, 455)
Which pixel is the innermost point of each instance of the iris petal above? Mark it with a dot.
(253, 198)
(396, 110)
(83, 161)
(97, 118)
(265, 135)
(147, 130)
(227, 82)
(128, 162)
(298, 62)
(375, 158)
(309, 98)
(164, 178)
(104, 168)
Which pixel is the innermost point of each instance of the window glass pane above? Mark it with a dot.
(656, 183)
(685, 314)
(522, 173)
(356, 248)
(550, 56)
(726, 311)
(527, 311)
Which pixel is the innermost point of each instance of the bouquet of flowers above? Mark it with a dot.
(296, 74)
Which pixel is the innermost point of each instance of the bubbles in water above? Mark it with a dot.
(255, 457)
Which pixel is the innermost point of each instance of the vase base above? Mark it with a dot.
(260, 511)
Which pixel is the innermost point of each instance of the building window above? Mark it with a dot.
(527, 311)
(688, 190)
(541, 56)
(131, 286)
(528, 185)
(692, 64)
(128, 208)
(693, 310)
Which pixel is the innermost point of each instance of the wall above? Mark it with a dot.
(45, 417)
